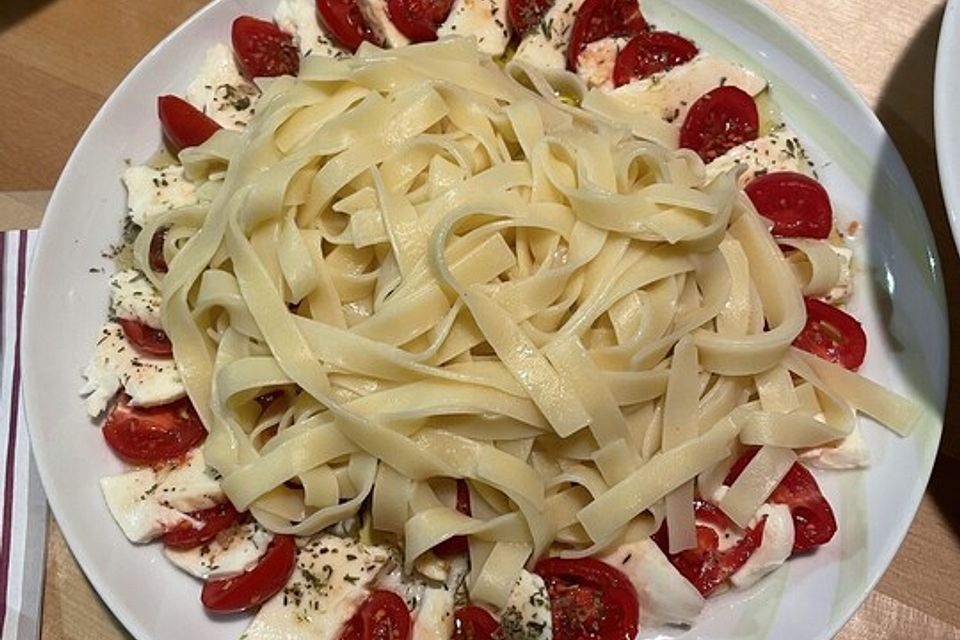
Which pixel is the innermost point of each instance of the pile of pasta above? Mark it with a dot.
(430, 268)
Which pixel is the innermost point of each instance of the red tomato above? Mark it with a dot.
(418, 19)
(382, 616)
(157, 262)
(263, 50)
(598, 19)
(798, 205)
(813, 520)
(215, 519)
(832, 334)
(146, 339)
(524, 15)
(650, 53)
(457, 544)
(345, 22)
(719, 121)
(150, 435)
(590, 600)
(257, 585)
(183, 124)
(706, 567)
(474, 623)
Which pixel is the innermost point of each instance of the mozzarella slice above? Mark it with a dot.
(597, 60)
(235, 552)
(775, 546)
(526, 615)
(433, 619)
(133, 297)
(546, 45)
(671, 94)
(221, 92)
(486, 20)
(299, 19)
(841, 292)
(378, 17)
(851, 453)
(779, 151)
(329, 582)
(151, 192)
(190, 486)
(665, 596)
(131, 498)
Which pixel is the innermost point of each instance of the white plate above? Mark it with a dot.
(899, 298)
(946, 94)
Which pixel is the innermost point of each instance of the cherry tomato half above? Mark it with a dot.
(649, 53)
(832, 334)
(719, 121)
(183, 124)
(256, 586)
(813, 520)
(589, 600)
(418, 19)
(344, 21)
(382, 616)
(474, 623)
(798, 205)
(157, 262)
(598, 19)
(262, 49)
(457, 544)
(150, 435)
(146, 339)
(215, 519)
(524, 15)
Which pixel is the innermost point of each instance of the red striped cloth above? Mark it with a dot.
(24, 509)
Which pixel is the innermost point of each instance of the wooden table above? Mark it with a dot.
(60, 59)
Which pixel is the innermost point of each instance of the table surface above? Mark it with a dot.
(60, 59)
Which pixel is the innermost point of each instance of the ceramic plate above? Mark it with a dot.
(946, 122)
(899, 297)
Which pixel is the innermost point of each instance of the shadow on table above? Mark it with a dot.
(13, 11)
(905, 107)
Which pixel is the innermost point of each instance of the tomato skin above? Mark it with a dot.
(418, 19)
(524, 15)
(832, 334)
(457, 544)
(798, 205)
(719, 121)
(649, 53)
(262, 49)
(183, 124)
(147, 339)
(257, 585)
(215, 519)
(344, 21)
(599, 19)
(474, 623)
(157, 262)
(382, 616)
(151, 435)
(589, 600)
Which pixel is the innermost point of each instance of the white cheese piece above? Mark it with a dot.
(851, 453)
(378, 17)
(665, 596)
(597, 60)
(409, 587)
(486, 20)
(670, 94)
(151, 192)
(133, 297)
(299, 19)
(433, 619)
(191, 486)
(116, 363)
(329, 582)
(546, 44)
(221, 92)
(779, 151)
(775, 546)
(844, 287)
(527, 616)
(232, 553)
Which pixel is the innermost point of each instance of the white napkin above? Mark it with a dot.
(23, 518)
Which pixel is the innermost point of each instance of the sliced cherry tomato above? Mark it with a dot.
(589, 600)
(719, 121)
(524, 15)
(474, 623)
(418, 19)
(382, 616)
(147, 339)
(257, 585)
(649, 53)
(157, 262)
(344, 21)
(707, 567)
(183, 124)
(813, 520)
(832, 334)
(598, 19)
(150, 435)
(798, 205)
(215, 519)
(457, 544)
(262, 49)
